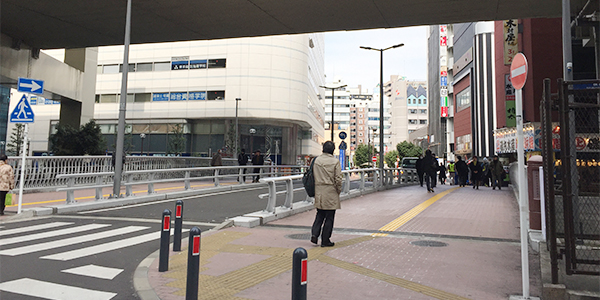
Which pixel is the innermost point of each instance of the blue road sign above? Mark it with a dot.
(343, 135)
(343, 159)
(26, 85)
(22, 112)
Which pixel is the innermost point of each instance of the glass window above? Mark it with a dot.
(419, 101)
(97, 100)
(216, 63)
(360, 134)
(216, 95)
(111, 69)
(412, 121)
(217, 128)
(412, 111)
(424, 101)
(144, 67)
(162, 66)
(463, 99)
(108, 98)
(131, 68)
(360, 122)
(423, 111)
(99, 70)
(142, 97)
(422, 121)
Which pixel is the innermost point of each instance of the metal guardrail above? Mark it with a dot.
(392, 177)
(42, 172)
(150, 178)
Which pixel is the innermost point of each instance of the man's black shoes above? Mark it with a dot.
(329, 244)
(313, 239)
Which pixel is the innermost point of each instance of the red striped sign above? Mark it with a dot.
(303, 280)
(178, 212)
(167, 223)
(196, 246)
(518, 71)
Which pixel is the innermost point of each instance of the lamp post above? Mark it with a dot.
(332, 99)
(381, 131)
(142, 137)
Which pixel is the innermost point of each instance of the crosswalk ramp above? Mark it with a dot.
(65, 241)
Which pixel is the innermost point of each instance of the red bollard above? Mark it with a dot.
(178, 225)
(165, 234)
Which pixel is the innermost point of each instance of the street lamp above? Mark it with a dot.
(236, 126)
(142, 137)
(381, 132)
(332, 98)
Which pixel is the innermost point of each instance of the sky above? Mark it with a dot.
(345, 60)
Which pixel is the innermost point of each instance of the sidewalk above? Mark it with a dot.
(403, 243)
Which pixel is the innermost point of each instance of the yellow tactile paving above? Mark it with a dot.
(226, 286)
(403, 219)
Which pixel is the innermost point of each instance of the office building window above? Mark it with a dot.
(424, 101)
(412, 111)
(422, 121)
(131, 68)
(360, 122)
(216, 63)
(360, 141)
(108, 98)
(144, 67)
(111, 69)
(360, 134)
(216, 95)
(463, 99)
(142, 97)
(412, 121)
(162, 66)
(423, 111)
(419, 101)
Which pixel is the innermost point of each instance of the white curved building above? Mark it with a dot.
(196, 83)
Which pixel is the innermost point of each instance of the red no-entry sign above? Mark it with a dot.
(374, 158)
(518, 71)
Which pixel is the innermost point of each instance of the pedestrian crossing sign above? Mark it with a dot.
(22, 112)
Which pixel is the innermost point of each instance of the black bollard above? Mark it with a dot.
(165, 234)
(193, 267)
(299, 274)
(178, 224)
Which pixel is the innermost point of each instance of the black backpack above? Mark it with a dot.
(309, 180)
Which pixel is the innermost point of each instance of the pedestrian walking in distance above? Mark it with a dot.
(7, 180)
(257, 160)
(217, 159)
(328, 186)
(420, 169)
(462, 170)
(242, 161)
(430, 168)
(476, 172)
(442, 175)
(497, 171)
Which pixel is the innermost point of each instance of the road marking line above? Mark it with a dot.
(83, 252)
(167, 200)
(53, 291)
(409, 215)
(71, 241)
(137, 220)
(33, 228)
(95, 271)
(48, 234)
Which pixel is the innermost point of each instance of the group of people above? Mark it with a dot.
(243, 158)
(480, 172)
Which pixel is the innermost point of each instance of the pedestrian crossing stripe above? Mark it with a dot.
(52, 291)
(95, 271)
(93, 250)
(33, 228)
(70, 241)
(48, 234)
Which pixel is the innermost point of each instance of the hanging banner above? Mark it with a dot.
(511, 42)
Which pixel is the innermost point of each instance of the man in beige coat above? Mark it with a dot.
(7, 181)
(328, 186)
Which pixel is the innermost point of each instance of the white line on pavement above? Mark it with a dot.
(53, 291)
(70, 241)
(95, 271)
(47, 234)
(33, 228)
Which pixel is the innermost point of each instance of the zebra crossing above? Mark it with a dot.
(67, 241)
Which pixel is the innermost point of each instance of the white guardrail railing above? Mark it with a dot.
(132, 178)
(42, 172)
(363, 179)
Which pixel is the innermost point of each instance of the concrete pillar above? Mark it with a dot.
(76, 113)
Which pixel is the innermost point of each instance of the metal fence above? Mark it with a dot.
(572, 182)
(41, 171)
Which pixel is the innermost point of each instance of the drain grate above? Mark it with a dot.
(426, 243)
(299, 236)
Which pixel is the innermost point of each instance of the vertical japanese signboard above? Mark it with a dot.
(443, 71)
(509, 94)
(511, 41)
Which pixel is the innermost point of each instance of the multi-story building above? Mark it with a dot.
(408, 107)
(194, 85)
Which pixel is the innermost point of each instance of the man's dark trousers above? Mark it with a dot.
(326, 217)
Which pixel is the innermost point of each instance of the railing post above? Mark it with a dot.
(71, 193)
(240, 175)
(193, 265)
(98, 188)
(347, 183)
(299, 274)
(165, 234)
(187, 180)
(289, 193)
(362, 180)
(129, 187)
(272, 197)
(151, 183)
(216, 177)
